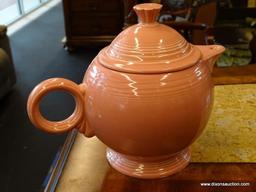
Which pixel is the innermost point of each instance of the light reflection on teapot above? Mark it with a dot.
(147, 96)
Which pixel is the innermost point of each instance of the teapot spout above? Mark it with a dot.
(210, 53)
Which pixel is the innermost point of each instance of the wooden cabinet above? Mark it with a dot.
(92, 21)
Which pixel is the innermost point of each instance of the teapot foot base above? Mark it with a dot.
(148, 167)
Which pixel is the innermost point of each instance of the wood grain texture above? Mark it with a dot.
(189, 179)
(234, 75)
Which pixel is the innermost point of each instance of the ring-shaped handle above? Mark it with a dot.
(53, 84)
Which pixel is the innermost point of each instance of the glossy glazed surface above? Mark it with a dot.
(148, 167)
(147, 95)
(149, 47)
(41, 90)
(131, 112)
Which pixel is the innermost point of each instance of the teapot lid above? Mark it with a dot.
(149, 47)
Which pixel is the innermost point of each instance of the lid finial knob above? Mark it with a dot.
(147, 12)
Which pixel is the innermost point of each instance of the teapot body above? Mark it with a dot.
(148, 114)
(147, 96)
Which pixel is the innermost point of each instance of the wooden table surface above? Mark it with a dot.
(89, 171)
(234, 75)
(190, 179)
(96, 175)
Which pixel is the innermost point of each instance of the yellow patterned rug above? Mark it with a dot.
(230, 135)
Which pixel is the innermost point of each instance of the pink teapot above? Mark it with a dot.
(147, 96)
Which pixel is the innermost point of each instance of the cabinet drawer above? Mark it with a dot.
(84, 5)
(96, 5)
(83, 24)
